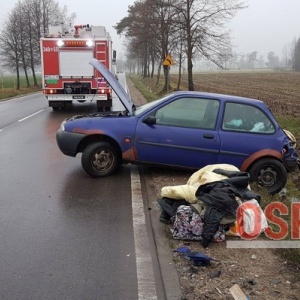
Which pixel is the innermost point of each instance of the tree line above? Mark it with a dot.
(21, 33)
(290, 59)
(187, 29)
(192, 31)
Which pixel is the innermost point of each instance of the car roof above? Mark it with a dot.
(216, 96)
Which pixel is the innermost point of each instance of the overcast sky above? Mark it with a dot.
(266, 25)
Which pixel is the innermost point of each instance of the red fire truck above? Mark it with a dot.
(67, 75)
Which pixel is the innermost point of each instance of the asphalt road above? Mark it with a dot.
(63, 234)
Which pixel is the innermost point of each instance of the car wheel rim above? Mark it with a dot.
(102, 160)
(267, 177)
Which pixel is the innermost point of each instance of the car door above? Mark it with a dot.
(184, 134)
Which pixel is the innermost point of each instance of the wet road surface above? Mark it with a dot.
(64, 235)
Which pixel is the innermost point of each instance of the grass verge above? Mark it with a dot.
(8, 86)
(10, 93)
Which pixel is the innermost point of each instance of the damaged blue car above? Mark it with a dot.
(185, 130)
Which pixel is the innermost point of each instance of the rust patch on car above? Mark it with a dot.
(258, 155)
(129, 154)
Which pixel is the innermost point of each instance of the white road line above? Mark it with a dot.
(144, 267)
(1, 129)
(30, 115)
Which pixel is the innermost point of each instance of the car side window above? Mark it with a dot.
(247, 118)
(189, 112)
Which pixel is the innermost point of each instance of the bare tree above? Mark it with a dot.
(296, 62)
(252, 58)
(169, 33)
(203, 22)
(149, 26)
(39, 13)
(136, 27)
(21, 24)
(179, 51)
(20, 37)
(285, 57)
(273, 60)
(291, 49)
(261, 62)
(10, 46)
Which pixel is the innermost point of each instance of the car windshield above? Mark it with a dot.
(139, 110)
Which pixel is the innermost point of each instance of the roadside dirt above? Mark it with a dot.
(260, 273)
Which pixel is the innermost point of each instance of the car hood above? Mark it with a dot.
(114, 84)
(95, 115)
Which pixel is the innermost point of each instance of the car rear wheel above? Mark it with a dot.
(100, 159)
(269, 173)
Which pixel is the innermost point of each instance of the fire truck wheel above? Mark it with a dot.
(100, 159)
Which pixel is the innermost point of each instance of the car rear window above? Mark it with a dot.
(246, 118)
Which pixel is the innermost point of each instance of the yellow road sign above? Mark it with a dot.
(168, 61)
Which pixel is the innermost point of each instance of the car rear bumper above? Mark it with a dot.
(68, 142)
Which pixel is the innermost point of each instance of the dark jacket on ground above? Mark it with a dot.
(219, 198)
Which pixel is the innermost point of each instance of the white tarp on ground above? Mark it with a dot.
(204, 175)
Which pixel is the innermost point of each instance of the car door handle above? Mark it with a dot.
(208, 136)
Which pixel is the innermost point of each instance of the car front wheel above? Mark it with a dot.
(100, 159)
(269, 173)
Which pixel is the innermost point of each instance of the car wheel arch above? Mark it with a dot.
(97, 138)
(262, 154)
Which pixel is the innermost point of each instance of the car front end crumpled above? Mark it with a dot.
(68, 141)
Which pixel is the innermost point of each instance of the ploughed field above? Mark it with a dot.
(279, 90)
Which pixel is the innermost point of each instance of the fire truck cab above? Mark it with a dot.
(67, 75)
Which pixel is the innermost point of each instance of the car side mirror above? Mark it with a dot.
(150, 120)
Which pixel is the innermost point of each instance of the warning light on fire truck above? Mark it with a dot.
(60, 43)
(89, 43)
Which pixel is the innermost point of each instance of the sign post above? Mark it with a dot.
(167, 63)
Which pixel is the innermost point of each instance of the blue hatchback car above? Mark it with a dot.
(184, 129)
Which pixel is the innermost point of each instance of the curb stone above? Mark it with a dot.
(166, 263)
(165, 259)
